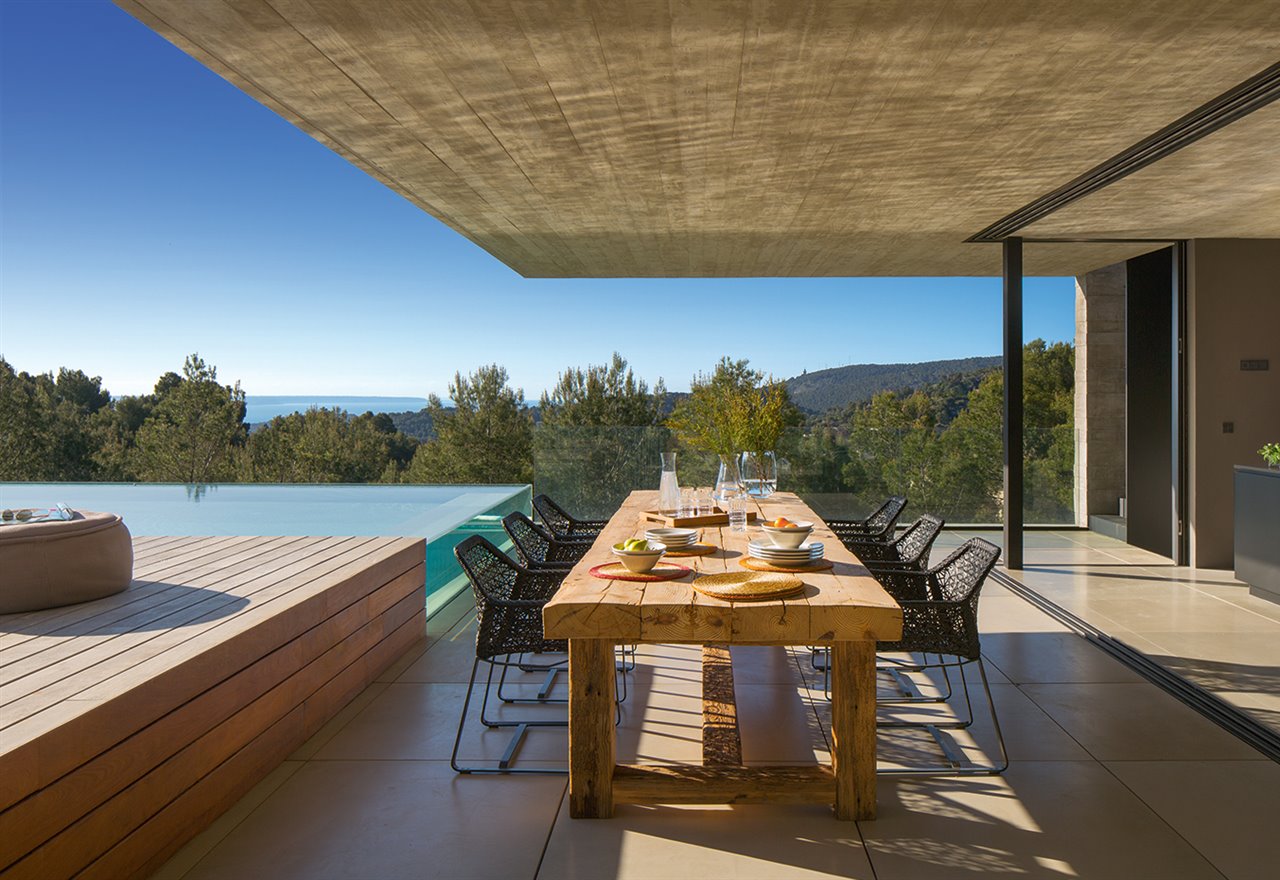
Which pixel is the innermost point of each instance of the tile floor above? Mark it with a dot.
(1109, 777)
(1202, 624)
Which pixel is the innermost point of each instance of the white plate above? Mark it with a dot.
(793, 559)
(767, 553)
(803, 550)
(672, 537)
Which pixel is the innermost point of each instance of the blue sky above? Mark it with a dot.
(149, 209)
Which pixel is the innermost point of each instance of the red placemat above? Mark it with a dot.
(663, 571)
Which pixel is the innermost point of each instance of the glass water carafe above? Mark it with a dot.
(669, 486)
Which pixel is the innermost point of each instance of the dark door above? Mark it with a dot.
(1150, 358)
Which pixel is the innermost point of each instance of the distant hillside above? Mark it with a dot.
(841, 386)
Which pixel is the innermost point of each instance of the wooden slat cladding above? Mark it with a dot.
(129, 724)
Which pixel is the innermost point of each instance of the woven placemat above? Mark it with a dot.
(695, 550)
(760, 565)
(663, 571)
(748, 586)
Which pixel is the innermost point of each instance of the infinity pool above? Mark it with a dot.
(442, 515)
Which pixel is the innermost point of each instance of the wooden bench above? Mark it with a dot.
(130, 723)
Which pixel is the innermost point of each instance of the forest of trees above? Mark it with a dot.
(597, 436)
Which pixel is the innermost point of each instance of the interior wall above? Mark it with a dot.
(1233, 314)
(1099, 392)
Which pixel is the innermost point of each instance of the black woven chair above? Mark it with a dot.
(909, 550)
(877, 527)
(563, 524)
(940, 617)
(509, 600)
(537, 548)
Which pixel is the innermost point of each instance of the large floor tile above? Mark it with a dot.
(1119, 722)
(390, 820)
(778, 725)
(1225, 809)
(1012, 614)
(710, 843)
(412, 721)
(1052, 657)
(1042, 819)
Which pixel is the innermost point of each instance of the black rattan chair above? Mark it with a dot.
(940, 617)
(563, 524)
(509, 600)
(909, 550)
(877, 527)
(537, 548)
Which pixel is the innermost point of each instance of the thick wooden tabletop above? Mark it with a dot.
(841, 604)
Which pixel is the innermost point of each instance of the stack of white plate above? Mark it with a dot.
(810, 551)
(675, 539)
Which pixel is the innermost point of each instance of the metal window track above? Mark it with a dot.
(1237, 102)
(1219, 711)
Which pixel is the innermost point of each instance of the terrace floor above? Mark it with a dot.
(1110, 776)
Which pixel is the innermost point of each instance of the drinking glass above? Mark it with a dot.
(706, 504)
(688, 501)
(737, 505)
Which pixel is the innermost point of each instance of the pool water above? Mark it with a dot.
(442, 515)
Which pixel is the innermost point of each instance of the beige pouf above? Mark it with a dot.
(47, 564)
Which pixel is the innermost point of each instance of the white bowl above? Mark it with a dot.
(672, 537)
(788, 536)
(640, 561)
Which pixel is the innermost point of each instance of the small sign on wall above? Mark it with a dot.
(1255, 365)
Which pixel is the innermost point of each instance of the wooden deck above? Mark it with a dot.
(130, 723)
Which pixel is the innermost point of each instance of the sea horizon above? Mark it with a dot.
(265, 407)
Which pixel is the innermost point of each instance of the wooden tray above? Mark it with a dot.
(719, 518)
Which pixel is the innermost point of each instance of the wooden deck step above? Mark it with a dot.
(128, 724)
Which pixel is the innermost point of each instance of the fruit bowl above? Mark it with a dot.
(640, 561)
(790, 535)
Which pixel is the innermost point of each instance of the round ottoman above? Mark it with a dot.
(47, 564)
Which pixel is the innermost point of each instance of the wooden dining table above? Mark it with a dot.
(842, 607)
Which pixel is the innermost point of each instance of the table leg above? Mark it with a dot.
(591, 731)
(853, 728)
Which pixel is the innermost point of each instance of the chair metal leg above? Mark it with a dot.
(956, 765)
(552, 669)
(513, 746)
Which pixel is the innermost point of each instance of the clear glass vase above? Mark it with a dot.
(760, 473)
(669, 486)
(728, 480)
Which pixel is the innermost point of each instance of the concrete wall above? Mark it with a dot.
(1100, 392)
(1233, 313)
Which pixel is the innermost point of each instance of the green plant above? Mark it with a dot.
(735, 409)
(1270, 453)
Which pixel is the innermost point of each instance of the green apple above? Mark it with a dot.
(636, 544)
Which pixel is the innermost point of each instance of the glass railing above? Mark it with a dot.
(591, 470)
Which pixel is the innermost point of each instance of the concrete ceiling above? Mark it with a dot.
(792, 138)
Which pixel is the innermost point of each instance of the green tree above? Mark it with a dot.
(48, 424)
(317, 446)
(598, 438)
(196, 425)
(605, 395)
(487, 437)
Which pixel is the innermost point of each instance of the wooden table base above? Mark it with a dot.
(596, 783)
